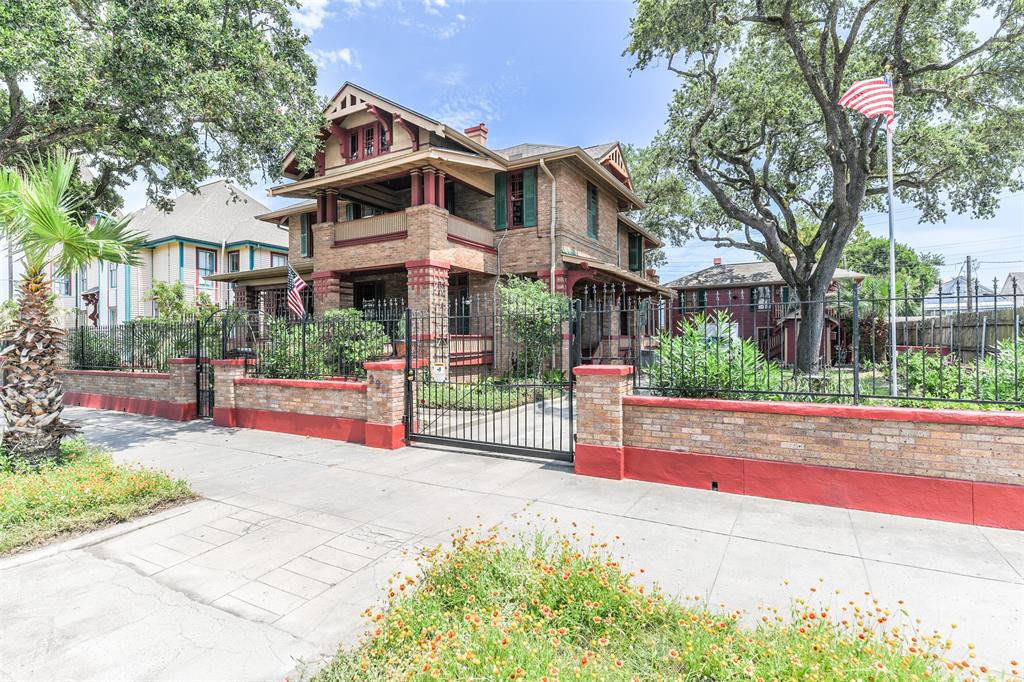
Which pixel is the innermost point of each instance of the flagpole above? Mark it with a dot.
(893, 388)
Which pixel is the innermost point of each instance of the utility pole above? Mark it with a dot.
(969, 297)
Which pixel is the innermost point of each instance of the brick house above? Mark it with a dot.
(758, 301)
(402, 206)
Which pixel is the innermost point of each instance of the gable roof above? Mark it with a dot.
(216, 212)
(1007, 288)
(758, 272)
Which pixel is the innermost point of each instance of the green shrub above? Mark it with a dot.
(336, 345)
(89, 349)
(705, 358)
(556, 609)
(532, 316)
(487, 394)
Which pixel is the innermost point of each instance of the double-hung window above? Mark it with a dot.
(515, 199)
(636, 252)
(278, 259)
(234, 261)
(206, 266)
(306, 235)
(112, 275)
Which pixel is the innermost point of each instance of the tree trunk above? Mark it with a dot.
(808, 339)
(32, 395)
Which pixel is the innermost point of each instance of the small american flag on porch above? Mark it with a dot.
(295, 286)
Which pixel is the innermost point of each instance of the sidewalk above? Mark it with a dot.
(297, 536)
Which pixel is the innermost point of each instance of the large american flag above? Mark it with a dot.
(295, 287)
(872, 98)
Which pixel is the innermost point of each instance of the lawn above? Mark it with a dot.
(557, 610)
(483, 395)
(86, 491)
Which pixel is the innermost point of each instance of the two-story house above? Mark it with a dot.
(400, 205)
(759, 304)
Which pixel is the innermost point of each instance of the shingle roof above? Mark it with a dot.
(598, 151)
(526, 149)
(216, 212)
(759, 272)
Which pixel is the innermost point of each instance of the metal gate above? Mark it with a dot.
(224, 333)
(496, 378)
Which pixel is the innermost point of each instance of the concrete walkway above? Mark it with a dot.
(297, 536)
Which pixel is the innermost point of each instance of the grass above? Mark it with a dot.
(85, 491)
(483, 395)
(542, 609)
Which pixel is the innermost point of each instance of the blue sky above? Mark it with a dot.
(553, 72)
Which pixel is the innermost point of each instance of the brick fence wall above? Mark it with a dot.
(171, 395)
(953, 465)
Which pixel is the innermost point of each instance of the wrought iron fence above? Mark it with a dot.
(136, 346)
(954, 349)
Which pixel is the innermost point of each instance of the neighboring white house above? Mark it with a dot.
(953, 296)
(211, 231)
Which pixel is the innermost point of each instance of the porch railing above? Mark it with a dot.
(470, 231)
(372, 227)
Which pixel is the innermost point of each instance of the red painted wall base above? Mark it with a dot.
(985, 504)
(312, 425)
(603, 461)
(123, 403)
(387, 436)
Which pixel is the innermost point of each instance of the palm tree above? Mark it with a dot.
(45, 218)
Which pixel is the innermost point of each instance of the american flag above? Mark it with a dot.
(872, 98)
(295, 287)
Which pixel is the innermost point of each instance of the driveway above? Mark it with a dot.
(296, 536)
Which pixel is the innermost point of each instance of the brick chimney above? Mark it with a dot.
(717, 261)
(478, 133)
(652, 274)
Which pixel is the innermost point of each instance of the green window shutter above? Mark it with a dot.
(350, 211)
(702, 298)
(304, 234)
(500, 203)
(530, 197)
(785, 294)
(635, 252)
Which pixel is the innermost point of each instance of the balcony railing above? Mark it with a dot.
(372, 227)
(470, 231)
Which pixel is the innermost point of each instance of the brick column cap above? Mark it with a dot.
(432, 262)
(384, 365)
(232, 362)
(324, 274)
(603, 370)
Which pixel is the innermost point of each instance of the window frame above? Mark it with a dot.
(111, 275)
(593, 211)
(200, 282)
(275, 254)
(235, 261)
(638, 240)
(380, 133)
(512, 176)
(306, 235)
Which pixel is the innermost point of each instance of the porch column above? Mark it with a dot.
(321, 207)
(416, 177)
(428, 299)
(599, 393)
(332, 205)
(428, 186)
(326, 291)
(440, 189)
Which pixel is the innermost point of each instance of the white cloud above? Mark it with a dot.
(464, 111)
(434, 6)
(311, 15)
(323, 58)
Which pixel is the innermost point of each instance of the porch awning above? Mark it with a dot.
(619, 273)
(275, 275)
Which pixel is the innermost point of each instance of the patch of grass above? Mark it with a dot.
(85, 491)
(483, 395)
(554, 610)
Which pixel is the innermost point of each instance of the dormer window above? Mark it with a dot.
(367, 142)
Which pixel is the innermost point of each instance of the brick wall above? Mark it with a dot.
(171, 395)
(968, 452)
(952, 465)
(324, 398)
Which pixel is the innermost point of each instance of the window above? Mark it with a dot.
(62, 285)
(112, 317)
(278, 259)
(206, 266)
(702, 299)
(515, 199)
(367, 142)
(636, 252)
(760, 298)
(306, 235)
(592, 211)
(234, 261)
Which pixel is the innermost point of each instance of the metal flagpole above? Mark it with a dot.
(893, 389)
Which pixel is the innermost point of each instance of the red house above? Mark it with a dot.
(760, 303)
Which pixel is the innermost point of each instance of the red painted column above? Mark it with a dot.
(428, 186)
(321, 208)
(440, 189)
(332, 206)
(416, 177)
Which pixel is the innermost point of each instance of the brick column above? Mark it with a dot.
(385, 403)
(224, 374)
(182, 385)
(327, 291)
(428, 299)
(599, 393)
